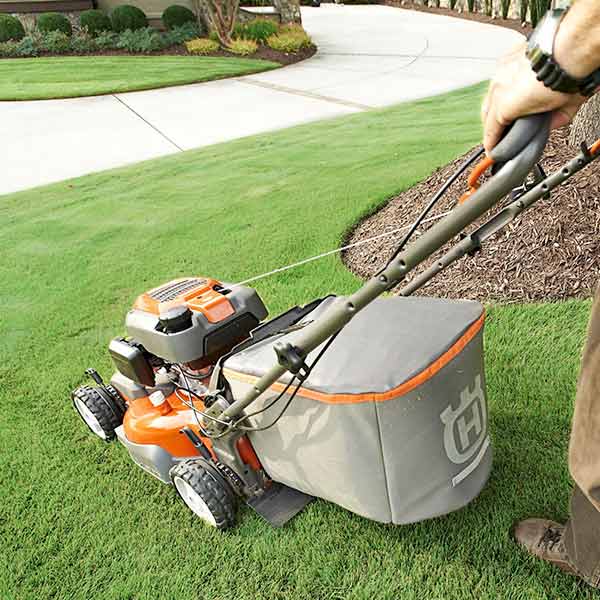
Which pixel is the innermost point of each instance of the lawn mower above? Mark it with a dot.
(373, 401)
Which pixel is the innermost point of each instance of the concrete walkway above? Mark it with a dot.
(369, 56)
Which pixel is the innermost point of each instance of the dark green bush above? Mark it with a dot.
(257, 29)
(53, 21)
(176, 16)
(128, 17)
(141, 41)
(95, 21)
(10, 28)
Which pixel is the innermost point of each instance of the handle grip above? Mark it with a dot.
(520, 135)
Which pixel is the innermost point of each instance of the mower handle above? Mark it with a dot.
(519, 135)
(519, 150)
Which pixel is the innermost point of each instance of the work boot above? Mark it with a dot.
(544, 538)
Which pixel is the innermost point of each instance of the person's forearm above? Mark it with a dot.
(577, 44)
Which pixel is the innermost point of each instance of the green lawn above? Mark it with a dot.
(73, 76)
(78, 520)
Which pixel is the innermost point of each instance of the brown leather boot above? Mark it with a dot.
(544, 538)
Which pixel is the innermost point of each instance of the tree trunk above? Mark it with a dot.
(289, 10)
(221, 16)
(586, 125)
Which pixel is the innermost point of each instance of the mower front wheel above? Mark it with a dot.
(205, 492)
(101, 409)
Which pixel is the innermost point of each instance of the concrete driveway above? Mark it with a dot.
(369, 56)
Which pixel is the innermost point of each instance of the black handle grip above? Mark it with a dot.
(520, 134)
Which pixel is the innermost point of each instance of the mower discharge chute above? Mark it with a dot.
(375, 403)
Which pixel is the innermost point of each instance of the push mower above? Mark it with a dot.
(373, 401)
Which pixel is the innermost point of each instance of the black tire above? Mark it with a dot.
(100, 408)
(205, 492)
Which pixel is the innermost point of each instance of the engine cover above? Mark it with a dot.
(194, 320)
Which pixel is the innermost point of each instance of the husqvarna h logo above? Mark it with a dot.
(466, 427)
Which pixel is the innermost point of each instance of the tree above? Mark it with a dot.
(586, 125)
(289, 10)
(220, 15)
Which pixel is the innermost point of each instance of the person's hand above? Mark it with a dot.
(515, 92)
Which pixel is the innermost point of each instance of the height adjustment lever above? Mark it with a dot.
(95, 376)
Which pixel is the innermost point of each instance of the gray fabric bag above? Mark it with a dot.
(392, 422)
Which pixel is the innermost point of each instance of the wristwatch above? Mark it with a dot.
(540, 49)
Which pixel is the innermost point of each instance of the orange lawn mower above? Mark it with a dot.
(375, 403)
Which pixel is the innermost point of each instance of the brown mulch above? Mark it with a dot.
(469, 16)
(263, 52)
(551, 252)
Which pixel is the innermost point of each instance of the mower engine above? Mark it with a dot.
(178, 332)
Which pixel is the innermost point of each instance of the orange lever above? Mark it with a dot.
(473, 181)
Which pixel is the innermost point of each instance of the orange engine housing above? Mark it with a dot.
(145, 423)
(198, 294)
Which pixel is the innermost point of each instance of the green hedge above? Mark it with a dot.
(128, 17)
(95, 21)
(11, 28)
(54, 21)
(176, 16)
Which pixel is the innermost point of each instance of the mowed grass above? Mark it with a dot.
(74, 76)
(79, 520)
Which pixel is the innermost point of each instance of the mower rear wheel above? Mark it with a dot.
(205, 492)
(100, 410)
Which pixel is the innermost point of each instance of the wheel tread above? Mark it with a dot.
(107, 418)
(217, 497)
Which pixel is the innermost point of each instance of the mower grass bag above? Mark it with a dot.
(392, 422)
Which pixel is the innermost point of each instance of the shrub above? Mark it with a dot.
(538, 9)
(505, 8)
(83, 44)
(523, 8)
(28, 46)
(242, 47)
(290, 41)
(8, 49)
(471, 5)
(128, 17)
(184, 33)
(55, 42)
(452, 4)
(141, 40)
(202, 46)
(94, 21)
(53, 21)
(176, 16)
(107, 40)
(258, 30)
(11, 29)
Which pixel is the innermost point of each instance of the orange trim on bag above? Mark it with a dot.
(396, 392)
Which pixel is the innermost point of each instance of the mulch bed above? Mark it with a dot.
(474, 16)
(263, 52)
(551, 252)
